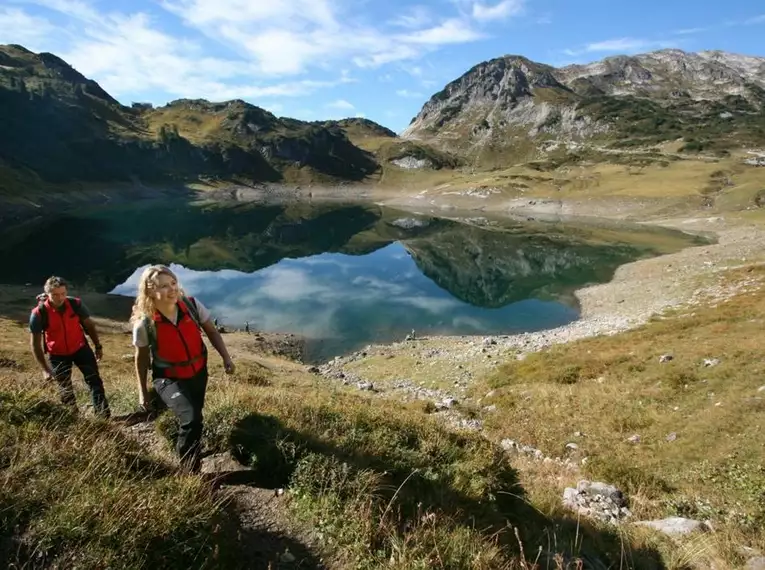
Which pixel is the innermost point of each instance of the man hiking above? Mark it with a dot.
(57, 326)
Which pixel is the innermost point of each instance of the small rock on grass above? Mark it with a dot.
(676, 526)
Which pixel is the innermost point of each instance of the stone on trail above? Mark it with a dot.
(597, 500)
(675, 526)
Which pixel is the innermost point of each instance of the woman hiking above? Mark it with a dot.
(167, 335)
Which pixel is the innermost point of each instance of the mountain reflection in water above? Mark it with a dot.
(342, 275)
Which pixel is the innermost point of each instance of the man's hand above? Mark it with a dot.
(228, 366)
(99, 352)
(47, 375)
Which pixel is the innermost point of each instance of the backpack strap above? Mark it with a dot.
(191, 305)
(42, 312)
(151, 332)
(76, 303)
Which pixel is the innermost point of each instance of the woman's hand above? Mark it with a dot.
(228, 366)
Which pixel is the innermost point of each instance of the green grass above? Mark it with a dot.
(77, 492)
(383, 486)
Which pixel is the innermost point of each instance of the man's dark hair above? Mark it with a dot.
(53, 282)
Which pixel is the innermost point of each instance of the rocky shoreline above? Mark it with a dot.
(639, 291)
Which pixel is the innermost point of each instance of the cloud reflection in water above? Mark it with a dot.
(342, 302)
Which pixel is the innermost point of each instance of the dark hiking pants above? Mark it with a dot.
(85, 360)
(186, 399)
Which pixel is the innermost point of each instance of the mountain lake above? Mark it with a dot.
(340, 275)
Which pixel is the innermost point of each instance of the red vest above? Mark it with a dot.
(179, 351)
(64, 334)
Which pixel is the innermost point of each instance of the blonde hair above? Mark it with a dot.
(144, 302)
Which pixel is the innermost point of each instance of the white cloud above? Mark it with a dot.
(689, 31)
(238, 48)
(756, 20)
(129, 55)
(291, 284)
(452, 31)
(72, 8)
(314, 34)
(19, 27)
(416, 17)
(341, 104)
(622, 45)
(407, 93)
(499, 11)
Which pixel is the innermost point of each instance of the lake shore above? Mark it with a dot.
(637, 292)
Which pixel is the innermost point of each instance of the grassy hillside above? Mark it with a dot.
(382, 487)
(382, 484)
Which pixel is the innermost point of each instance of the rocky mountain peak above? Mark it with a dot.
(502, 83)
(510, 99)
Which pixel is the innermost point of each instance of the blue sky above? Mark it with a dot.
(382, 59)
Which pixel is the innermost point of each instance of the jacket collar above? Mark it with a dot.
(159, 317)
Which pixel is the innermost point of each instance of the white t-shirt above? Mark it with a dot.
(141, 336)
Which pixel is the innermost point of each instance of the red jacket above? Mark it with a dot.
(63, 331)
(178, 351)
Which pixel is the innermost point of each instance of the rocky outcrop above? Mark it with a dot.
(669, 74)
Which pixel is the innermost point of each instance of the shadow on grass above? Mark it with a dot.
(413, 482)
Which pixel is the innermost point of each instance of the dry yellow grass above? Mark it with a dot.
(193, 126)
(700, 452)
